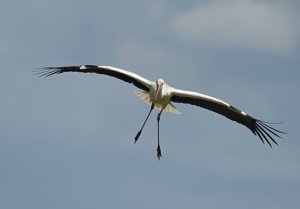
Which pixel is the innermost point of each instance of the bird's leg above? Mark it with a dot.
(158, 145)
(140, 131)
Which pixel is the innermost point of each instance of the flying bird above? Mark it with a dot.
(160, 95)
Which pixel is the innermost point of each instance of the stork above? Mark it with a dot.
(160, 95)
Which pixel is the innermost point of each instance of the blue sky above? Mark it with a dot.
(67, 141)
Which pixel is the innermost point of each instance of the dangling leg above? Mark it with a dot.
(158, 145)
(139, 133)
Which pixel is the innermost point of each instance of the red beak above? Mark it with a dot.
(158, 88)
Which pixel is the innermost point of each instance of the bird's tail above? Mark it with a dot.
(146, 98)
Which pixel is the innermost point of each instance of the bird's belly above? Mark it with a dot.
(161, 102)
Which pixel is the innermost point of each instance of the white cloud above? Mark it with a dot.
(245, 24)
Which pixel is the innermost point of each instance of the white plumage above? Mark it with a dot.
(160, 95)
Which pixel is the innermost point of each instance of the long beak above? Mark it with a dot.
(158, 89)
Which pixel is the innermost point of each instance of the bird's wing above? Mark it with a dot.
(124, 75)
(258, 127)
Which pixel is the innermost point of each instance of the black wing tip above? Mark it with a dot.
(47, 71)
(265, 132)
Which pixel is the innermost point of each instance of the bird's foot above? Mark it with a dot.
(137, 136)
(158, 152)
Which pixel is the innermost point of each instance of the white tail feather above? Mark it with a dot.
(146, 98)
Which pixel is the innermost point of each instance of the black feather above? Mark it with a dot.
(49, 71)
(258, 127)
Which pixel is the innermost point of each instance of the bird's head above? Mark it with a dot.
(160, 82)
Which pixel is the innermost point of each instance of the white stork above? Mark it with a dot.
(160, 95)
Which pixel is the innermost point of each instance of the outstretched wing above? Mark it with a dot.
(258, 127)
(123, 75)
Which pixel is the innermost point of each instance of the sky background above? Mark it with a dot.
(66, 141)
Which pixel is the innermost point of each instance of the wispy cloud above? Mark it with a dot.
(244, 24)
